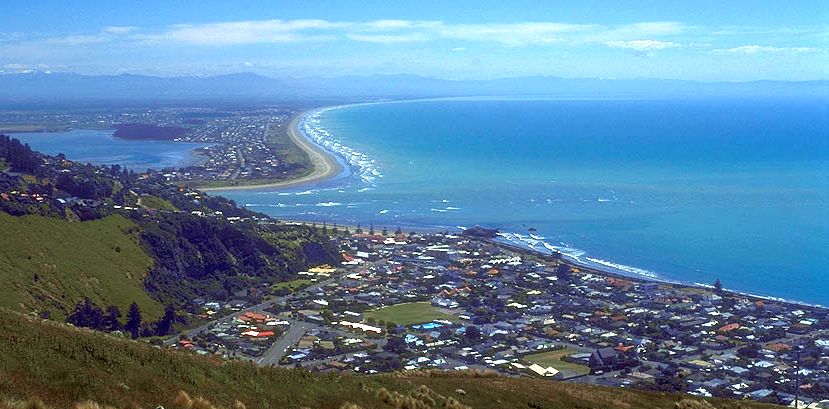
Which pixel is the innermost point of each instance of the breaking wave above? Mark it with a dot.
(363, 166)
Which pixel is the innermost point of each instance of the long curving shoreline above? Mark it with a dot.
(325, 165)
(609, 268)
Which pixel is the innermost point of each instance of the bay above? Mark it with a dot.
(680, 190)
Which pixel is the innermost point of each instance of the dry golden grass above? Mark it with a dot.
(91, 405)
(31, 403)
(694, 404)
(438, 373)
(420, 398)
(202, 403)
(183, 400)
(64, 366)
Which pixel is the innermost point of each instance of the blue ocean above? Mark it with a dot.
(101, 148)
(685, 190)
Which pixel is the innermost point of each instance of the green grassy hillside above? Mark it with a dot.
(49, 264)
(62, 366)
(155, 202)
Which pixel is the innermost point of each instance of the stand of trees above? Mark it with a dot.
(20, 157)
(89, 315)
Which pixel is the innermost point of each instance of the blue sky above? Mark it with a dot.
(700, 40)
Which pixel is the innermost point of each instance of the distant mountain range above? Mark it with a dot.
(61, 88)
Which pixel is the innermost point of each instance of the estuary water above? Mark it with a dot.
(678, 190)
(101, 148)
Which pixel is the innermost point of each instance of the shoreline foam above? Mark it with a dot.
(331, 147)
(575, 257)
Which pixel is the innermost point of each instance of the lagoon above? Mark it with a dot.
(101, 148)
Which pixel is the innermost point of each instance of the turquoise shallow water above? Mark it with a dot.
(683, 190)
(99, 147)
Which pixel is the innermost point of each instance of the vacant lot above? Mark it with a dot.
(409, 313)
(553, 358)
(157, 203)
(293, 285)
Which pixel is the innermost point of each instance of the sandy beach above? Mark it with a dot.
(325, 165)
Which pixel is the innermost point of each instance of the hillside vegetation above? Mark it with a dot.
(141, 239)
(49, 264)
(63, 366)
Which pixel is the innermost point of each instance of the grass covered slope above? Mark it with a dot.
(62, 366)
(49, 264)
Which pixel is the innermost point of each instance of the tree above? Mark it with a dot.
(718, 285)
(134, 321)
(563, 272)
(472, 333)
(113, 315)
(391, 327)
(396, 345)
(86, 315)
(165, 324)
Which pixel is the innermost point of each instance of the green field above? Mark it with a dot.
(293, 285)
(553, 358)
(157, 203)
(409, 313)
(50, 264)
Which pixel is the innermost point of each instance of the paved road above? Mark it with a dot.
(190, 333)
(289, 339)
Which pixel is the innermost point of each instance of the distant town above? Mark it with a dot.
(241, 146)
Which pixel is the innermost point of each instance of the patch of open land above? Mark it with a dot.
(409, 313)
(553, 358)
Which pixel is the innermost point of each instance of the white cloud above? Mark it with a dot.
(511, 34)
(388, 38)
(642, 45)
(760, 49)
(120, 29)
(240, 32)
(395, 31)
(650, 29)
(107, 34)
(642, 38)
(389, 24)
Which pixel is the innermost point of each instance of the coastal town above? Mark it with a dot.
(468, 300)
(406, 301)
(241, 146)
(458, 301)
(392, 205)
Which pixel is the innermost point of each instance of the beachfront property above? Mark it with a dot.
(479, 304)
(484, 306)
